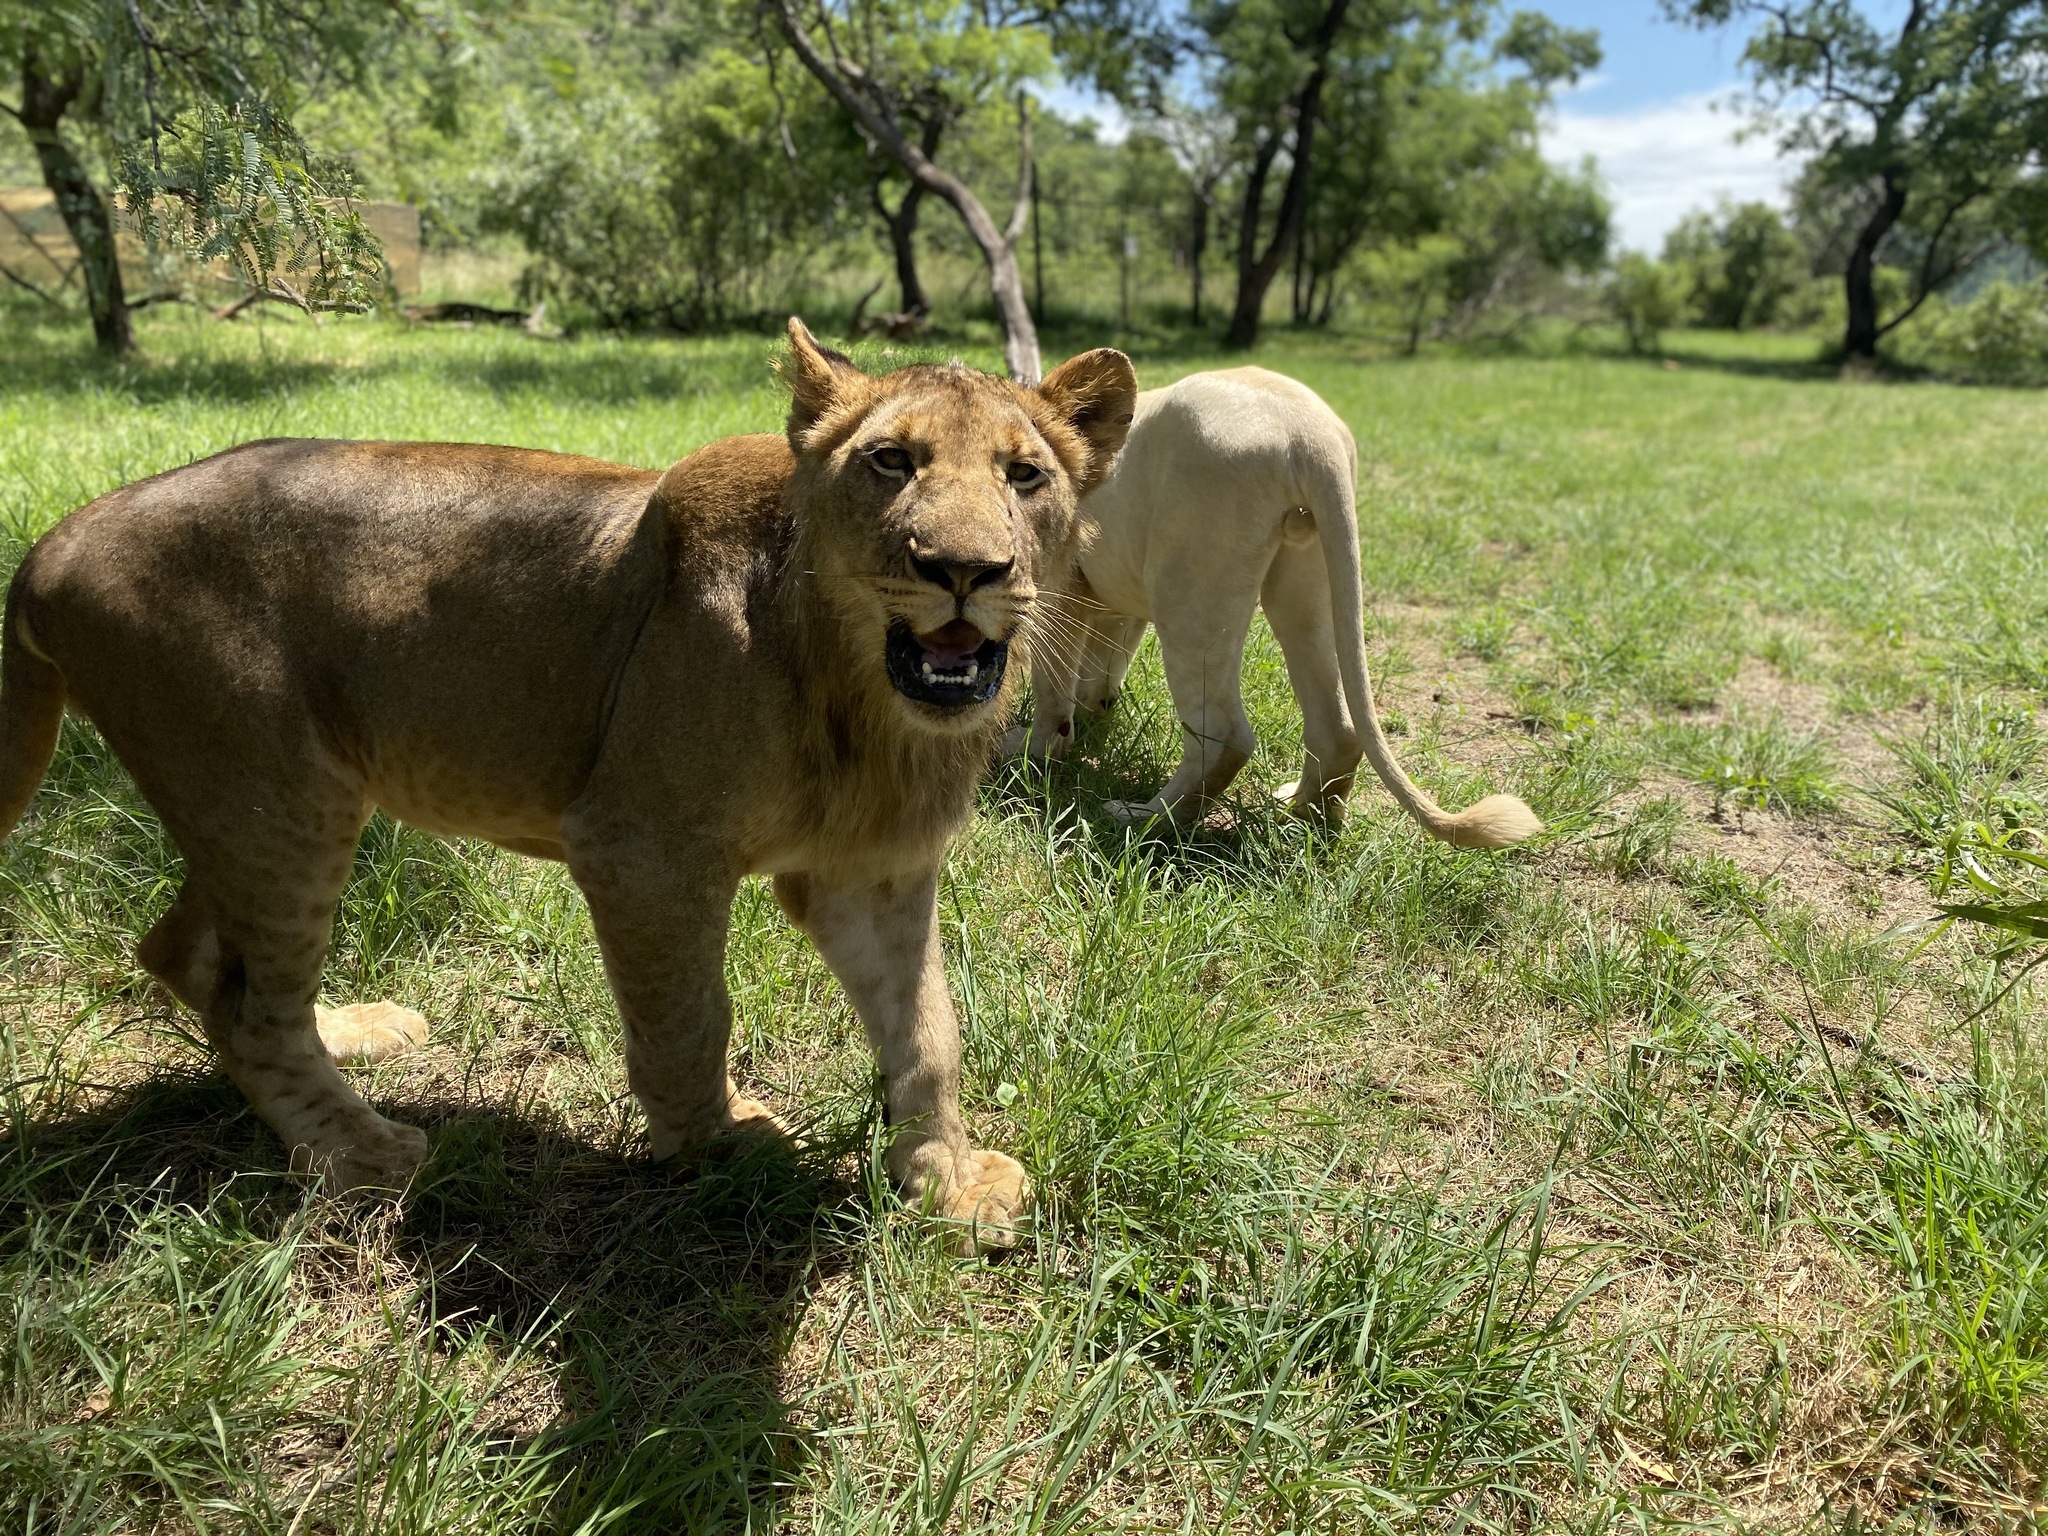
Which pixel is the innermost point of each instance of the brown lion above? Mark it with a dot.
(787, 655)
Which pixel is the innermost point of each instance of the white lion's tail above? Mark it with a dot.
(1494, 822)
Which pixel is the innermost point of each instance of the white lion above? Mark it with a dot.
(1235, 491)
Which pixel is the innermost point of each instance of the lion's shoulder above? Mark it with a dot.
(722, 507)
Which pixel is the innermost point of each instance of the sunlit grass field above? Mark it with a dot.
(1663, 1173)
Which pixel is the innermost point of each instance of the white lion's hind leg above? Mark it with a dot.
(365, 1032)
(1296, 598)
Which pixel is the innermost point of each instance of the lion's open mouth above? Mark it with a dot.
(950, 667)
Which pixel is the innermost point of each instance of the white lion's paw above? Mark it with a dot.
(739, 1117)
(1135, 813)
(366, 1032)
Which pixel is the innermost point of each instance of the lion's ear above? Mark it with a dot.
(820, 381)
(1095, 394)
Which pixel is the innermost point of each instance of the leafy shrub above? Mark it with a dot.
(1647, 297)
(1973, 765)
(1738, 264)
(681, 215)
(1640, 841)
(1999, 336)
(1756, 762)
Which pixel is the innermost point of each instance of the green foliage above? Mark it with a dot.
(1739, 265)
(2000, 336)
(1642, 840)
(1754, 762)
(1977, 763)
(1429, 201)
(189, 113)
(698, 208)
(1647, 297)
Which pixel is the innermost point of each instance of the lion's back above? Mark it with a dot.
(420, 603)
(1213, 460)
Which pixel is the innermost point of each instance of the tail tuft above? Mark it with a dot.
(1498, 821)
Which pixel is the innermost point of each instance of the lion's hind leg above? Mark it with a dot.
(1296, 598)
(243, 947)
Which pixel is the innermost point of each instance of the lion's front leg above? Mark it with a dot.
(661, 924)
(881, 939)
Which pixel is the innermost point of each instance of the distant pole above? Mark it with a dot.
(1037, 247)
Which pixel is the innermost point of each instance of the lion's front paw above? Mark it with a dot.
(367, 1032)
(381, 1154)
(740, 1116)
(991, 1202)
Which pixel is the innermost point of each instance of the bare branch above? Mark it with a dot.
(19, 281)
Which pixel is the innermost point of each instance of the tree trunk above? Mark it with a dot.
(851, 88)
(902, 223)
(44, 101)
(1255, 274)
(1198, 242)
(1859, 279)
(1244, 329)
(1037, 251)
(1300, 270)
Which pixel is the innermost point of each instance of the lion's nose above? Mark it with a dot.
(958, 576)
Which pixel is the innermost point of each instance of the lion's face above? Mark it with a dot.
(937, 498)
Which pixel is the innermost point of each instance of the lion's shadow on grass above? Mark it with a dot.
(1240, 840)
(664, 1296)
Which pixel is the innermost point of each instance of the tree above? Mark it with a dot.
(1338, 92)
(1934, 132)
(185, 111)
(1740, 263)
(1274, 62)
(901, 221)
(1431, 137)
(1200, 140)
(903, 70)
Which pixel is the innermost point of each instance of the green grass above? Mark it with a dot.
(1656, 1175)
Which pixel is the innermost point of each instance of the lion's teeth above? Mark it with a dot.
(973, 670)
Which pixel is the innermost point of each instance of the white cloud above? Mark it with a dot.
(1663, 160)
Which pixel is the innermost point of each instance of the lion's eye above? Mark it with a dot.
(891, 461)
(1024, 474)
